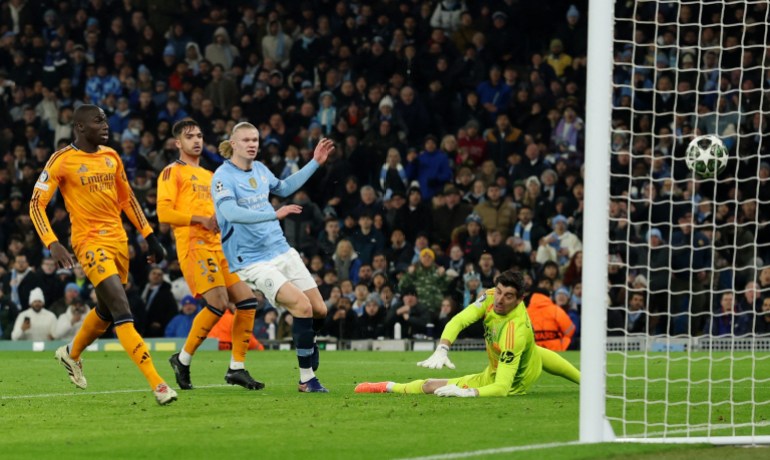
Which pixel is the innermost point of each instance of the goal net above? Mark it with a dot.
(685, 323)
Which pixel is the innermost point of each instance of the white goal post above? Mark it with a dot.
(669, 386)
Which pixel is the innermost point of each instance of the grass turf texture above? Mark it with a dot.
(44, 416)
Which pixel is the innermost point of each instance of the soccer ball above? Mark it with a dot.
(706, 156)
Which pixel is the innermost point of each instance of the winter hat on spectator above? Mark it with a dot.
(64, 271)
(187, 299)
(654, 232)
(72, 287)
(640, 280)
(169, 51)
(561, 290)
(557, 219)
(36, 294)
(16, 194)
(129, 136)
(386, 101)
(573, 12)
(306, 84)
(374, 297)
(428, 251)
(532, 179)
(500, 15)
(472, 124)
(92, 22)
(473, 217)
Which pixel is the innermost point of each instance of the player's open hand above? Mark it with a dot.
(438, 359)
(61, 256)
(322, 150)
(284, 211)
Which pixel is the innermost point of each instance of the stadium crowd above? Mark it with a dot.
(459, 152)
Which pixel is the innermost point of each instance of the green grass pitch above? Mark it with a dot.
(43, 416)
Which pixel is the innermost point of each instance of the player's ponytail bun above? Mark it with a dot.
(226, 149)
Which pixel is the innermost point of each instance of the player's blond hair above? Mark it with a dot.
(225, 147)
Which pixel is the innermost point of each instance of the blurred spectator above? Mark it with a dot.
(262, 326)
(727, 319)
(371, 324)
(552, 326)
(160, 304)
(19, 283)
(69, 322)
(428, 280)
(411, 315)
(34, 323)
(762, 321)
(180, 325)
(63, 304)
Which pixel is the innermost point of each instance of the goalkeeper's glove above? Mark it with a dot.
(453, 390)
(438, 359)
(157, 251)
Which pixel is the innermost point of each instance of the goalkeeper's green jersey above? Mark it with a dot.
(514, 363)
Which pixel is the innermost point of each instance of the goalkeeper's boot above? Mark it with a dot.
(243, 378)
(312, 386)
(372, 387)
(164, 394)
(74, 368)
(181, 372)
(315, 358)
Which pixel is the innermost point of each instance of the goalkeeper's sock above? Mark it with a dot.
(302, 330)
(137, 350)
(93, 327)
(556, 365)
(243, 325)
(201, 326)
(411, 388)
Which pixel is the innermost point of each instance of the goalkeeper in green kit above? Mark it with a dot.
(515, 361)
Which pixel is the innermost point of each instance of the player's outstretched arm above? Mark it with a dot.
(291, 184)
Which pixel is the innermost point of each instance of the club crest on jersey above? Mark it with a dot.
(82, 169)
(252, 182)
(43, 177)
(220, 186)
(109, 163)
(193, 177)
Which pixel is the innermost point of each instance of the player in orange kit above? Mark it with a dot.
(95, 189)
(184, 202)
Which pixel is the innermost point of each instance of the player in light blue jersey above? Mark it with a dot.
(255, 246)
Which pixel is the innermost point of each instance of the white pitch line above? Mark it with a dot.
(497, 450)
(89, 393)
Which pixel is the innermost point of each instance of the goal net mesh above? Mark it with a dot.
(688, 347)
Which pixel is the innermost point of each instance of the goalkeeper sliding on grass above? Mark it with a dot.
(515, 362)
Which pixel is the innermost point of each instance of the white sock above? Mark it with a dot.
(234, 365)
(389, 388)
(185, 358)
(306, 374)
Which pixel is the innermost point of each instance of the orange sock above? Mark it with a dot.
(134, 345)
(243, 326)
(93, 327)
(201, 326)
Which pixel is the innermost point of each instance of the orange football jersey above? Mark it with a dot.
(184, 190)
(95, 191)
